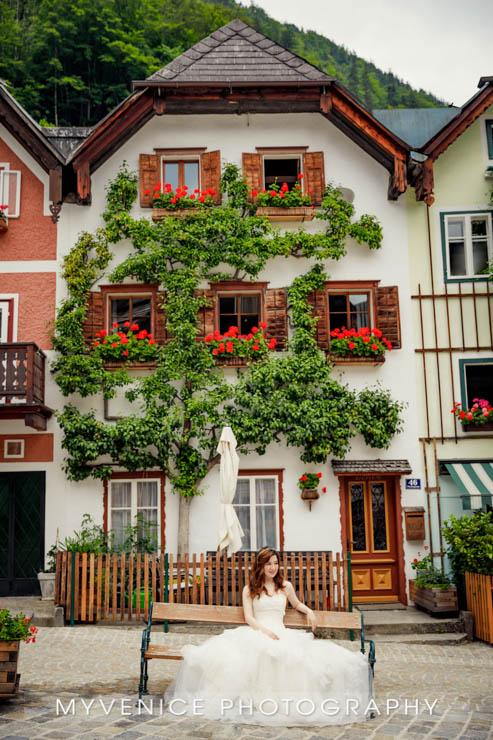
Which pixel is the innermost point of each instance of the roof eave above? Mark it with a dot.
(230, 83)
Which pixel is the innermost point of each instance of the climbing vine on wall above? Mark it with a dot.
(181, 407)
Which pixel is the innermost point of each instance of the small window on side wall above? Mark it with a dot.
(489, 137)
(135, 503)
(10, 191)
(467, 244)
(476, 381)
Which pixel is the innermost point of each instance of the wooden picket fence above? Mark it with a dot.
(479, 594)
(120, 587)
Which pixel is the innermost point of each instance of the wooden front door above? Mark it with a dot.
(371, 528)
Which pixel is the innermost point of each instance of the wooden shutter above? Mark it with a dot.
(205, 318)
(149, 176)
(387, 318)
(10, 192)
(252, 172)
(276, 316)
(94, 318)
(210, 164)
(317, 300)
(160, 333)
(314, 171)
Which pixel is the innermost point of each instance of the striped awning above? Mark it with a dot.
(473, 479)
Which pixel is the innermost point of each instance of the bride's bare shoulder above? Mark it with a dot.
(246, 590)
(287, 586)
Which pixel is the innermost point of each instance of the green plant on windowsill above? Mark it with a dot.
(428, 576)
(180, 199)
(233, 344)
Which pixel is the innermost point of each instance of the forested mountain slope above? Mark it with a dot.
(69, 62)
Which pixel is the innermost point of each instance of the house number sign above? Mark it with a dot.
(413, 484)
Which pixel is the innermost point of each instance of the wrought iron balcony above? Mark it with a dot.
(22, 384)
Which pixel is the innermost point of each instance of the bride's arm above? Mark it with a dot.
(250, 619)
(298, 605)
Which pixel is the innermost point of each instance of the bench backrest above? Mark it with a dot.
(234, 615)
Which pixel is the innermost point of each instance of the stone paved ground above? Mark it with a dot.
(102, 663)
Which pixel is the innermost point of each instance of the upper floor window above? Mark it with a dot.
(467, 243)
(489, 137)
(128, 310)
(242, 311)
(10, 190)
(6, 319)
(256, 503)
(280, 168)
(180, 173)
(350, 310)
(476, 378)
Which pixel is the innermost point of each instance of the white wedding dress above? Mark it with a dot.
(244, 676)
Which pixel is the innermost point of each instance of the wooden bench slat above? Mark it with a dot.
(234, 615)
(163, 652)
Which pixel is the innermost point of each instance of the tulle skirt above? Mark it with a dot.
(244, 676)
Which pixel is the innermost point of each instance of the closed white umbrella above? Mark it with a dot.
(230, 531)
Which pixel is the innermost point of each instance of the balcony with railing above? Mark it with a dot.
(22, 384)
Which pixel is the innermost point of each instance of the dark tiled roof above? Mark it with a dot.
(238, 53)
(370, 466)
(66, 138)
(416, 126)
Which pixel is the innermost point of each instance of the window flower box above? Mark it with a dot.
(478, 418)
(179, 203)
(130, 347)
(363, 347)
(336, 359)
(294, 213)
(279, 203)
(129, 365)
(235, 349)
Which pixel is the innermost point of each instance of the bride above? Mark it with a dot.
(266, 674)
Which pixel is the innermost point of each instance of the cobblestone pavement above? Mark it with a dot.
(103, 664)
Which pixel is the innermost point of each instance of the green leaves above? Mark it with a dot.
(181, 407)
(470, 541)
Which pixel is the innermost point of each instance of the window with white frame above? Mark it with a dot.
(10, 190)
(489, 137)
(468, 244)
(256, 503)
(134, 502)
(5, 320)
(180, 173)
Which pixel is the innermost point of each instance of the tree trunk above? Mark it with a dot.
(184, 524)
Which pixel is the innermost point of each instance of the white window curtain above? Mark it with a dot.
(257, 505)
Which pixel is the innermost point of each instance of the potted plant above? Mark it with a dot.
(363, 346)
(280, 203)
(14, 628)
(3, 219)
(233, 348)
(478, 415)
(179, 202)
(432, 589)
(308, 484)
(47, 576)
(133, 345)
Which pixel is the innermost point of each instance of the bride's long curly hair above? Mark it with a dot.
(257, 576)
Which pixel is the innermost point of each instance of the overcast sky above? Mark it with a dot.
(442, 46)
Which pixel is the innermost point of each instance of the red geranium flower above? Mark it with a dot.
(255, 347)
(147, 192)
(284, 187)
(351, 345)
(300, 176)
(262, 324)
(125, 352)
(157, 186)
(221, 347)
(229, 347)
(319, 475)
(254, 329)
(324, 490)
(374, 347)
(214, 351)
(201, 198)
(103, 333)
(114, 344)
(127, 323)
(173, 200)
(192, 197)
(209, 338)
(273, 193)
(303, 478)
(115, 323)
(134, 327)
(152, 341)
(254, 193)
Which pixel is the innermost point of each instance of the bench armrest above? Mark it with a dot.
(371, 655)
(146, 632)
